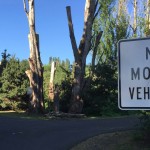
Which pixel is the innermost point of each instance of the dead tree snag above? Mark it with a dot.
(81, 52)
(36, 70)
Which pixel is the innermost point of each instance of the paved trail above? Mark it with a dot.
(23, 134)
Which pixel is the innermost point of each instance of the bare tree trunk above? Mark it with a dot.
(81, 52)
(148, 11)
(36, 70)
(122, 7)
(147, 20)
(135, 17)
(51, 84)
(134, 26)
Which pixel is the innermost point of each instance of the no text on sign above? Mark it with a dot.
(134, 74)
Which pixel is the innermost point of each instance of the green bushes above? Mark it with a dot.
(101, 96)
(143, 134)
(7, 104)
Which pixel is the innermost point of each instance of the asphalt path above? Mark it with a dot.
(23, 134)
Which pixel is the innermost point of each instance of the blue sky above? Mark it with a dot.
(51, 25)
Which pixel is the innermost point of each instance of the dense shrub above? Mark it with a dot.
(101, 96)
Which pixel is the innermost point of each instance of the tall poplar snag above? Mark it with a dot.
(35, 74)
(122, 7)
(148, 11)
(134, 26)
(147, 20)
(135, 17)
(81, 52)
(51, 83)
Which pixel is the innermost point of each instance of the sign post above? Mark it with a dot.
(134, 74)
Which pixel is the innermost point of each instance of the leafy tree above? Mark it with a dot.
(101, 94)
(62, 70)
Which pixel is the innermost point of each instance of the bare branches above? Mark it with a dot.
(65, 70)
(96, 5)
(25, 8)
(97, 41)
(96, 12)
(71, 30)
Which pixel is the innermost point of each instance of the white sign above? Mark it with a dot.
(134, 74)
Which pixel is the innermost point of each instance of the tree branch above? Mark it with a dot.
(97, 41)
(85, 42)
(96, 5)
(65, 70)
(71, 31)
(96, 13)
(134, 30)
(25, 8)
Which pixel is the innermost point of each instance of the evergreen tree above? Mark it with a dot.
(14, 80)
(4, 60)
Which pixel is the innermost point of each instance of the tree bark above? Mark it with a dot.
(51, 83)
(135, 17)
(147, 11)
(147, 20)
(134, 27)
(122, 7)
(97, 41)
(81, 53)
(36, 69)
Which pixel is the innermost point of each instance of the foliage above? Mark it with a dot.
(65, 95)
(14, 81)
(64, 81)
(46, 78)
(144, 130)
(101, 97)
(104, 22)
(5, 57)
(3, 62)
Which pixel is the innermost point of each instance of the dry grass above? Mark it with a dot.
(113, 141)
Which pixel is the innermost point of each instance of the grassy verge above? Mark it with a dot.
(21, 114)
